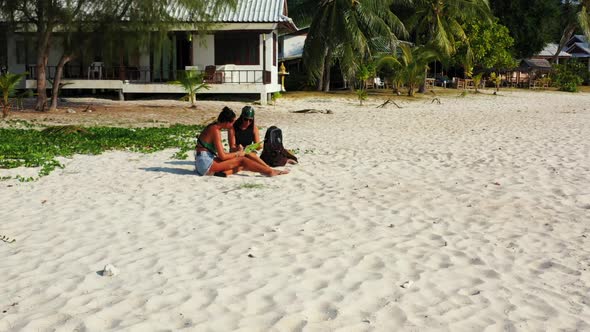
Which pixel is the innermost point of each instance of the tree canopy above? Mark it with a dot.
(344, 30)
(490, 44)
(532, 23)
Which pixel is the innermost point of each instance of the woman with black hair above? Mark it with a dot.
(245, 132)
(210, 157)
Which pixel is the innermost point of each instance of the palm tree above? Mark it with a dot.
(191, 82)
(438, 23)
(8, 83)
(343, 30)
(414, 63)
(389, 67)
(582, 20)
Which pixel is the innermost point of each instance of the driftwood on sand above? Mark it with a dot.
(311, 110)
(387, 102)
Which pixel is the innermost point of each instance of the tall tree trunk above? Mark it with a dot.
(568, 32)
(422, 87)
(42, 56)
(65, 58)
(327, 67)
(322, 70)
(321, 79)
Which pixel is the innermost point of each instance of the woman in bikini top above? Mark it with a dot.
(211, 158)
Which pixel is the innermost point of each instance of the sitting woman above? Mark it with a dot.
(245, 133)
(210, 157)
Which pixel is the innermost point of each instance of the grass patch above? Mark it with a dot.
(40, 148)
(251, 186)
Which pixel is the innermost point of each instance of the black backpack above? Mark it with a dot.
(273, 152)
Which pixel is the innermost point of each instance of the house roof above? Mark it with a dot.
(550, 49)
(579, 50)
(535, 64)
(579, 38)
(256, 11)
(246, 11)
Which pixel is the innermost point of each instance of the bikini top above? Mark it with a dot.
(209, 146)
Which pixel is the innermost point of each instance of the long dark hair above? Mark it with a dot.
(247, 110)
(240, 121)
(226, 115)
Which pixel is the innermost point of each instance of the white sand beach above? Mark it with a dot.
(469, 215)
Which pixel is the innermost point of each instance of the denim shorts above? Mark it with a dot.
(203, 161)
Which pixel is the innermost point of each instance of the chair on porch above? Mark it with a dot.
(95, 69)
(211, 75)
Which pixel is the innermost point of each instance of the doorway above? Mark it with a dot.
(184, 50)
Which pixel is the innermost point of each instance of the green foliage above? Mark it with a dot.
(438, 22)
(489, 43)
(362, 75)
(361, 95)
(497, 79)
(414, 62)
(275, 96)
(568, 77)
(65, 130)
(477, 81)
(8, 83)
(532, 23)
(390, 68)
(343, 31)
(34, 148)
(191, 81)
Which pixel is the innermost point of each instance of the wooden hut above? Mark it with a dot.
(530, 73)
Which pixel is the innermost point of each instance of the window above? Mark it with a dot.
(237, 48)
(20, 52)
(26, 51)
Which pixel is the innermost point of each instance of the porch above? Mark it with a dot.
(222, 80)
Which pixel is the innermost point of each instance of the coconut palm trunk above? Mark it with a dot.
(327, 67)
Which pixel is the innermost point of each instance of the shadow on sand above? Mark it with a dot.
(181, 162)
(177, 171)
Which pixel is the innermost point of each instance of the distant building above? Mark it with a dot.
(240, 56)
(578, 47)
(549, 52)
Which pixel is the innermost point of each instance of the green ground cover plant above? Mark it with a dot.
(39, 148)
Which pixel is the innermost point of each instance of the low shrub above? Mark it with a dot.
(39, 148)
(568, 77)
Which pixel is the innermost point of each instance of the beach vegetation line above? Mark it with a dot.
(27, 147)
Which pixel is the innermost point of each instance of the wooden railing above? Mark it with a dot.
(146, 75)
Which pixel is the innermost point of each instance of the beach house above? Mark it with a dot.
(579, 48)
(238, 55)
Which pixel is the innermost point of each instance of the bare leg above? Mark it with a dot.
(232, 165)
(253, 166)
(257, 159)
(235, 165)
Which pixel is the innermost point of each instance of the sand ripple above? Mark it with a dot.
(466, 216)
